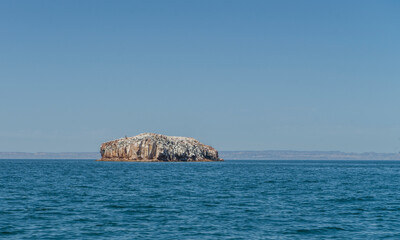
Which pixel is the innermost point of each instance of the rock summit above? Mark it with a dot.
(151, 147)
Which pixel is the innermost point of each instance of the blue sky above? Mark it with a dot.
(238, 75)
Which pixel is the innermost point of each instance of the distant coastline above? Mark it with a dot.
(49, 155)
(228, 155)
(306, 155)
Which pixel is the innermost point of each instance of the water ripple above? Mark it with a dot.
(81, 199)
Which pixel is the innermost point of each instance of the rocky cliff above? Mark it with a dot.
(150, 147)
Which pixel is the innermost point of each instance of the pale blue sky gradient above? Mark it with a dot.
(238, 75)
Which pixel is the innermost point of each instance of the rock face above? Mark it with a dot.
(151, 147)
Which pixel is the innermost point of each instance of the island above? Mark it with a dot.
(152, 147)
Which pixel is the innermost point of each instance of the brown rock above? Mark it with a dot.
(151, 147)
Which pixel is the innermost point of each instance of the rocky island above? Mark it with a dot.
(151, 147)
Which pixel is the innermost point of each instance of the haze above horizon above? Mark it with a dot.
(253, 75)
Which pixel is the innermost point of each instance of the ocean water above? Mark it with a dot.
(84, 199)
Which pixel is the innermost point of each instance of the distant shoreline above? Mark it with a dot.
(228, 155)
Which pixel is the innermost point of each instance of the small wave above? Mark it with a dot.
(352, 199)
(115, 206)
(319, 230)
(7, 232)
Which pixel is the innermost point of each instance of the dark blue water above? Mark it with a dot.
(83, 199)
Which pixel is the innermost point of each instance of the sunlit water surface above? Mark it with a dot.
(84, 199)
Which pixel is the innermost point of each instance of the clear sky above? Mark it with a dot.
(238, 75)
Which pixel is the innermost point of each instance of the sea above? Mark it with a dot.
(85, 199)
